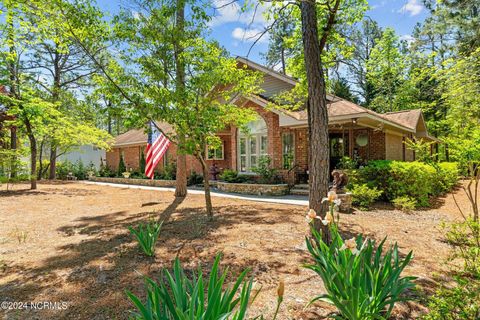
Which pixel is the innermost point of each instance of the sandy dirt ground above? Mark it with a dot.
(69, 243)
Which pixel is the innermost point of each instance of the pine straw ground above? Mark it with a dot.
(69, 242)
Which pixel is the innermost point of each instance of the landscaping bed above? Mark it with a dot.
(253, 188)
(69, 241)
(133, 181)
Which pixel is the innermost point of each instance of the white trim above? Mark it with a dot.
(214, 154)
(268, 71)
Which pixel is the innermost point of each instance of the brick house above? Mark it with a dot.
(282, 135)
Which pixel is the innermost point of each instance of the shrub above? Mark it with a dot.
(147, 236)
(404, 203)
(194, 178)
(413, 179)
(347, 163)
(170, 171)
(142, 163)
(264, 170)
(232, 176)
(77, 169)
(446, 177)
(361, 280)
(464, 237)
(364, 196)
(121, 166)
(177, 296)
(457, 303)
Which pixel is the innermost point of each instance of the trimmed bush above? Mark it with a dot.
(404, 203)
(364, 196)
(194, 178)
(416, 180)
(232, 176)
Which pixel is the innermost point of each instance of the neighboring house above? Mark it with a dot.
(283, 135)
(87, 154)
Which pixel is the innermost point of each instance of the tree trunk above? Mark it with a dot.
(13, 146)
(206, 187)
(181, 177)
(53, 163)
(40, 160)
(318, 155)
(33, 154)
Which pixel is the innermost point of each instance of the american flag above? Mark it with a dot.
(157, 145)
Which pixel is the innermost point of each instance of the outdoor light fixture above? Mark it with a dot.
(354, 120)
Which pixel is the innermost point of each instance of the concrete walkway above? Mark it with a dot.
(288, 199)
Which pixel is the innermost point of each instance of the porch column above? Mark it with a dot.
(233, 148)
(350, 142)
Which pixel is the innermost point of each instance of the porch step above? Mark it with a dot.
(299, 191)
(303, 186)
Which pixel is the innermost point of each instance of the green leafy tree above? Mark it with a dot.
(385, 71)
(363, 38)
(317, 26)
(184, 79)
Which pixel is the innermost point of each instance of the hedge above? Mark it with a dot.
(412, 179)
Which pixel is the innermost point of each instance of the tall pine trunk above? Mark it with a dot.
(318, 152)
(181, 175)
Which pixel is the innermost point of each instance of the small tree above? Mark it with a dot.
(121, 166)
(142, 162)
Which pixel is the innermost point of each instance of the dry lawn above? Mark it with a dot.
(69, 242)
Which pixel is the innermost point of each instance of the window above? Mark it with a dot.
(252, 145)
(215, 153)
(288, 150)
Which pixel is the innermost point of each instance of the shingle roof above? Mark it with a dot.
(408, 118)
(139, 136)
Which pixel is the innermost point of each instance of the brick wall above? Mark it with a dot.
(132, 157)
(377, 145)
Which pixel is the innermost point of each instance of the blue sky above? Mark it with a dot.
(236, 31)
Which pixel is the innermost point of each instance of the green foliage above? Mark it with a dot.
(77, 169)
(347, 163)
(169, 171)
(405, 203)
(264, 170)
(461, 302)
(177, 296)
(362, 280)
(364, 196)
(416, 180)
(385, 70)
(147, 236)
(232, 176)
(121, 166)
(142, 163)
(464, 237)
(194, 178)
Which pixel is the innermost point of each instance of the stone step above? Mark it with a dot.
(301, 186)
(299, 191)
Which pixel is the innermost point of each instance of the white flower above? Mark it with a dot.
(351, 245)
(311, 215)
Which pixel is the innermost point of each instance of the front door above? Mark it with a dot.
(337, 144)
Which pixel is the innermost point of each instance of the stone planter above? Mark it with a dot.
(346, 205)
(253, 188)
(141, 182)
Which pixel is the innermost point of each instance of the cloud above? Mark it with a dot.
(249, 35)
(228, 11)
(412, 7)
(407, 38)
